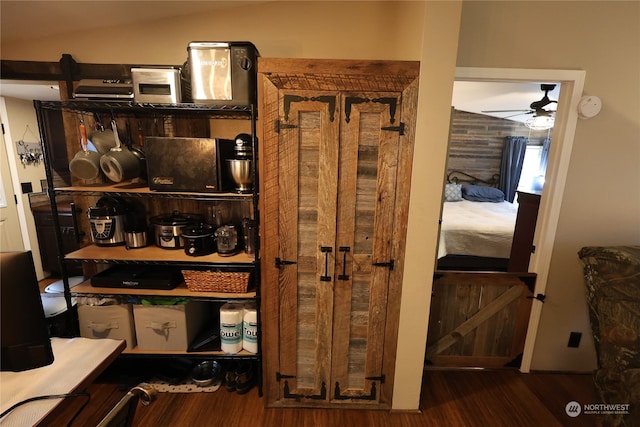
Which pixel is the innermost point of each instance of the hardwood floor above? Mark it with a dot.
(449, 398)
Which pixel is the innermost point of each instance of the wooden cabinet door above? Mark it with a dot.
(365, 226)
(308, 184)
(337, 183)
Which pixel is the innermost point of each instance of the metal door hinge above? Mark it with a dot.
(371, 396)
(350, 100)
(279, 376)
(381, 378)
(277, 125)
(282, 262)
(399, 129)
(390, 264)
(322, 396)
(329, 100)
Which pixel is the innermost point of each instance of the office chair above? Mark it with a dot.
(122, 414)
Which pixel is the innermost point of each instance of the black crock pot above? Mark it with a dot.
(199, 240)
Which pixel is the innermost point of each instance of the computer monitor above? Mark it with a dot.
(23, 331)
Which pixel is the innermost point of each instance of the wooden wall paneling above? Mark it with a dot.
(476, 141)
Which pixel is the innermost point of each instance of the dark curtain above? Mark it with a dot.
(544, 156)
(511, 166)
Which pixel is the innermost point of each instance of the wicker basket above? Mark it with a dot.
(216, 281)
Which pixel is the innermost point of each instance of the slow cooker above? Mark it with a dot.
(199, 240)
(167, 229)
(106, 220)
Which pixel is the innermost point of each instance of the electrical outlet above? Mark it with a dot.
(574, 339)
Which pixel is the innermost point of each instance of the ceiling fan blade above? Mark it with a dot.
(542, 103)
(505, 111)
(519, 114)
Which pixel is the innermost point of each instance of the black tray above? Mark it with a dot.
(138, 277)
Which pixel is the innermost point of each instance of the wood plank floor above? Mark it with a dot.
(449, 398)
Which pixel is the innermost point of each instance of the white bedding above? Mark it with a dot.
(477, 228)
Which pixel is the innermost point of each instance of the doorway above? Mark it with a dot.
(544, 234)
(10, 235)
(26, 177)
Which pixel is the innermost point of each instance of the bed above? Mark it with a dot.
(477, 225)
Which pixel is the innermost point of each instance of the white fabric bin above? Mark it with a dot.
(107, 321)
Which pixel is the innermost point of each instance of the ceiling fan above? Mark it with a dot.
(536, 108)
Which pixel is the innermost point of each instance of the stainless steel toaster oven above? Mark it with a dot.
(159, 85)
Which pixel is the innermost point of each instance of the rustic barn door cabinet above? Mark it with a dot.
(336, 154)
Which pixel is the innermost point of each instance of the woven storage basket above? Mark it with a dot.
(216, 281)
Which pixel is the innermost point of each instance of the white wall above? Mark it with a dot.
(20, 124)
(601, 204)
(437, 68)
(288, 29)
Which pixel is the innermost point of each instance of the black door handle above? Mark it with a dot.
(326, 250)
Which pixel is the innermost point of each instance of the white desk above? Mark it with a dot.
(77, 363)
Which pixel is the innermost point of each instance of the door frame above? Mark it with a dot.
(572, 84)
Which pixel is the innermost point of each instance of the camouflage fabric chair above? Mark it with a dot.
(612, 279)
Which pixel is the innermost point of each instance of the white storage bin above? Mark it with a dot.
(107, 321)
(168, 327)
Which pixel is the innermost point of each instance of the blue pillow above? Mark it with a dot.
(479, 193)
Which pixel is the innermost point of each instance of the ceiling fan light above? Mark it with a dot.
(538, 122)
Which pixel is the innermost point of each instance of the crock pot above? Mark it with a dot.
(167, 229)
(106, 220)
(199, 240)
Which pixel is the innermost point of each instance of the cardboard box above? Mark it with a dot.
(168, 327)
(107, 321)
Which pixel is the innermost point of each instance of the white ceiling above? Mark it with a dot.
(40, 90)
(48, 18)
(480, 97)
